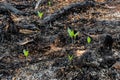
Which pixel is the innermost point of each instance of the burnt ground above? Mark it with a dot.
(49, 44)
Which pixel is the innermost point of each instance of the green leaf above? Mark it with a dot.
(70, 57)
(88, 40)
(70, 32)
(49, 3)
(76, 35)
(40, 14)
(26, 53)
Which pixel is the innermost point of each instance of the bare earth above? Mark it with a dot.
(49, 44)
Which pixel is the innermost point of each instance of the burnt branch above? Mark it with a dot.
(4, 7)
(67, 10)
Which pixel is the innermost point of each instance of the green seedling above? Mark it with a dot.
(49, 3)
(40, 14)
(72, 34)
(26, 53)
(70, 57)
(88, 40)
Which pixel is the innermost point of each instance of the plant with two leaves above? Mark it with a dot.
(88, 40)
(40, 14)
(70, 57)
(26, 53)
(72, 34)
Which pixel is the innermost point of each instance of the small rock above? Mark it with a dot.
(116, 55)
(108, 42)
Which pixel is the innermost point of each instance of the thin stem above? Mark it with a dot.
(72, 40)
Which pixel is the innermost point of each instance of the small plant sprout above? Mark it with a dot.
(49, 3)
(72, 34)
(70, 57)
(26, 53)
(40, 14)
(88, 40)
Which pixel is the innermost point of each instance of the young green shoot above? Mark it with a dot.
(40, 14)
(49, 3)
(72, 34)
(26, 53)
(70, 57)
(88, 40)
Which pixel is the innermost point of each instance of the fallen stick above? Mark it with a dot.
(22, 6)
(9, 7)
(40, 2)
(66, 10)
(37, 4)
